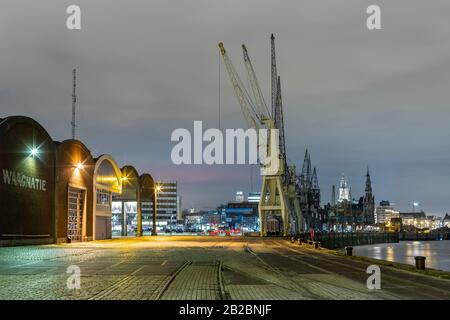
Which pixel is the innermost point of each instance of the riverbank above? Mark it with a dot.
(437, 253)
(335, 240)
(420, 236)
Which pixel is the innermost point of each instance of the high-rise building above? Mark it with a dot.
(166, 203)
(368, 202)
(385, 212)
(179, 210)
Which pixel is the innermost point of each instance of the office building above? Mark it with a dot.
(166, 203)
(385, 212)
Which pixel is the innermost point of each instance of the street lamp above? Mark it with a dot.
(157, 189)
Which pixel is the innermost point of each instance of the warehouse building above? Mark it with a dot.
(132, 210)
(27, 182)
(107, 182)
(126, 207)
(74, 168)
(53, 192)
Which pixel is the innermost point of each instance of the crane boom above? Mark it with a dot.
(248, 109)
(274, 75)
(261, 107)
(279, 122)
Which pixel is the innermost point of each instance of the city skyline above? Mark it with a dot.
(354, 98)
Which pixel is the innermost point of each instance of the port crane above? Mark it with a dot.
(279, 189)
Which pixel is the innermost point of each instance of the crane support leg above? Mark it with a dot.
(272, 201)
(299, 217)
(283, 208)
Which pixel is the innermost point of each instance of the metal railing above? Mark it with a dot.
(335, 240)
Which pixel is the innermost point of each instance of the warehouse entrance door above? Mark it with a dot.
(76, 206)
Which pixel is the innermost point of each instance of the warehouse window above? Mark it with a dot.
(103, 198)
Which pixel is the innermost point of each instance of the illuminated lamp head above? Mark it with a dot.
(80, 166)
(34, 152)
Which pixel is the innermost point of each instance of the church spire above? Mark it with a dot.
(306, 171)
(368, 183)
(314, 181)
(369, 201)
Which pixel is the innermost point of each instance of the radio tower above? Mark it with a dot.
(74, 101)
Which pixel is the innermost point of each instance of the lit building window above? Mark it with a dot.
(103, 198)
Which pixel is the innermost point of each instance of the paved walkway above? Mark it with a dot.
(183, 267)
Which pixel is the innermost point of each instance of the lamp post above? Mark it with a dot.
(155, 204)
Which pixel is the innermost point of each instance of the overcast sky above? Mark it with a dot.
(353, 97)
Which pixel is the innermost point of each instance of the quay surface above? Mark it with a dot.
(193, 267)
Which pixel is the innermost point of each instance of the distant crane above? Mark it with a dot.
(278, 190)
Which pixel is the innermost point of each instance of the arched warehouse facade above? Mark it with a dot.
(74, 191)
(126, 207)
(27, 189)
(107, 180)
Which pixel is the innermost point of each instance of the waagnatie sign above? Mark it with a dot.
(18, 179)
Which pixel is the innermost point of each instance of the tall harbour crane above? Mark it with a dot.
(278, 193)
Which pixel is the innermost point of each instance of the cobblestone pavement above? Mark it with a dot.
(184, 267)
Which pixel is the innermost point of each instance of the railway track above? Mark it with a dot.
(195, 280)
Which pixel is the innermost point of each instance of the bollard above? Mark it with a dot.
(292, 239)
(420, 262)
(299, 241)
(349, 251)
(316, 244)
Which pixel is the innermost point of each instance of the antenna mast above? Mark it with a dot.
(74, 101)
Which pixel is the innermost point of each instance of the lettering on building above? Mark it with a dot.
(18, 179)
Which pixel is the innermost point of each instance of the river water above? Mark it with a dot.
(437, 252)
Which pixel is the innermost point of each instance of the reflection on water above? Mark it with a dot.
(389, 253)
(437, 252)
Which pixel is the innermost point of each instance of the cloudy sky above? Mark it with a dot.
(353, 97)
